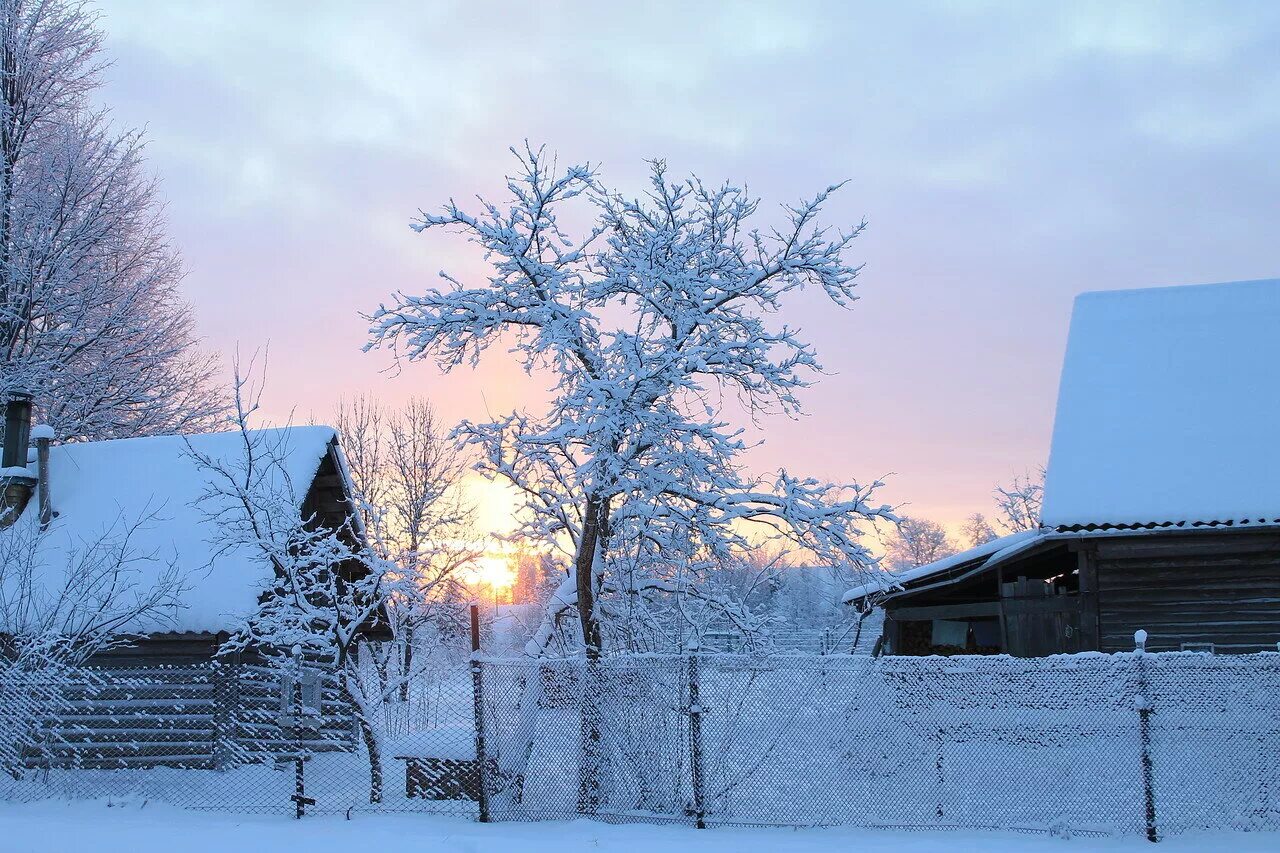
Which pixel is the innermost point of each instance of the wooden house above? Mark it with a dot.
(168, 695)
(1162, 497)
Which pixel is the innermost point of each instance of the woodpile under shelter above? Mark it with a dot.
(1162, 496)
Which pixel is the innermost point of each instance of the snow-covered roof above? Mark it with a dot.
(894, 580)
(101, 485)
(1167, 409)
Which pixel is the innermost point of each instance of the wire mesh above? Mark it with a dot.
(1137, 743)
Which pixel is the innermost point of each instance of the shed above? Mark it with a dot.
(1162, 496)
(179, 700)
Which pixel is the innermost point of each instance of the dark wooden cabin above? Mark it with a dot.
(1161, 502)
(168, 695)
(1212, 588)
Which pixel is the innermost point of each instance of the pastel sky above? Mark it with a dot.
(1006, 155)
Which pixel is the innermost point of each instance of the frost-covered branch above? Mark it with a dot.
(648, 320)
(63, 599)
(1020, 502)
(91, 318)
(328, 584)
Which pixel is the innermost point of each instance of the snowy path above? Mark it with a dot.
(83, 827)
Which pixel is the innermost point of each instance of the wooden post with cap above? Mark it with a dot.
(477, 698)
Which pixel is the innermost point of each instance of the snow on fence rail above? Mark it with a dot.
(1112, 744)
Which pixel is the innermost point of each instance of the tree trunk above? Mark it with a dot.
(594, 518)
(594, 532)
(407, 662)
(371, 743)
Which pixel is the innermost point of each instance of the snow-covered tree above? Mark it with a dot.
(62, 601)
(647, 323)
(328, 583)
(408, 475)
(977, 530)
(91, 320)
(1020, 502)
(916, 542)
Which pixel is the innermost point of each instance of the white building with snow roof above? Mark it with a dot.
(1162, 495)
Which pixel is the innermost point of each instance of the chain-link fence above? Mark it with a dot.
(1129, 743)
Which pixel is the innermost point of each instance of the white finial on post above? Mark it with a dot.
(1140, 640)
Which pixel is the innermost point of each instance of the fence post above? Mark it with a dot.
(226, 698)
(590, 735)
(1143, 704)
(300, 798)
(939, 772)
(695, 736)
(477, 700)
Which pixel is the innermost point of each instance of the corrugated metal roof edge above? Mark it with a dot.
(1187, 524)
(1051, 536)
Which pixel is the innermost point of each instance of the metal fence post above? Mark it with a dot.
(1143, 703)
(939, 771)
(300, 798)
(226, 698)
(695, 737)
(477, 699)
(590, 735)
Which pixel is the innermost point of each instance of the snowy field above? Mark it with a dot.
(59, 827)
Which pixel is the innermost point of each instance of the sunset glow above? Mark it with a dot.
(940, 373)
(495, 504)
(493, 570)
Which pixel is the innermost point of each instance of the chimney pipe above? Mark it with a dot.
(17, 430)
(43, 434)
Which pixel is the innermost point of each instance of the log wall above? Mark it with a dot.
(1221, 588)
(196, 715)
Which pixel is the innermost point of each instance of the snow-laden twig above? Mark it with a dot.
(648, 321)
(91, 319)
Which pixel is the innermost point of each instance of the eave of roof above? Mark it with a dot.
(1048, 538)
(888, 583)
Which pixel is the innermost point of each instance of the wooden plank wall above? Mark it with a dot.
(1221, 588)
(201, 715)
(133, 717)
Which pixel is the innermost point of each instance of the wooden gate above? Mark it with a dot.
(1040, 619)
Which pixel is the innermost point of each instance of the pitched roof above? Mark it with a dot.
(97, 488)
(977, 555)
(1167, 409)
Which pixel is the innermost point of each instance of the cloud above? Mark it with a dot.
(1008, 155)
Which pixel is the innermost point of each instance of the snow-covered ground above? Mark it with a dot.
(62, 827)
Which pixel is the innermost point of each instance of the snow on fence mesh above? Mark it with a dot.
(1090, 743)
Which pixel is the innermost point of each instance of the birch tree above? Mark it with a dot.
(91, 320)
(650, 325)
